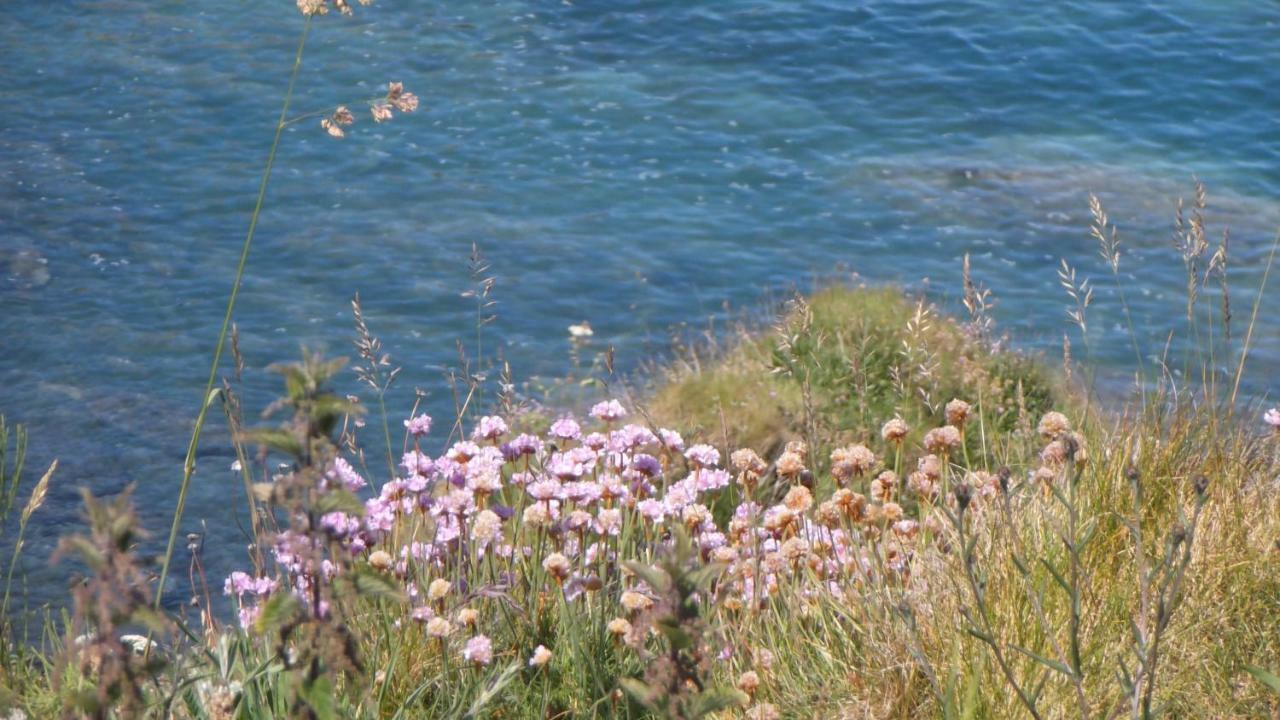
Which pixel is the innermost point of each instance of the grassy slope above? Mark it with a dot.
(832, 371)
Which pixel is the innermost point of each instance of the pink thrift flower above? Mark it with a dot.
(608, 411)
(703, 455)
(566, 428)
(1272, 418)
(418, 425)
(478, 650)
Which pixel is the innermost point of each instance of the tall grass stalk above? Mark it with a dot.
(189, 464)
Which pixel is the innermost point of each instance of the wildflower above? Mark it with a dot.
(748, 682)
(1272, 418)
(416, 463)
(851, 461)
(380, 111)
(885, 486)
(828, 514)
(891, 512)
(467, 617)
(652, 510)
(342, 471)
(334, 123)
(478, 650)
(438, 589)
(418, 425)
(895, 430)
(566, 428)
(608, 411)
(790, 464)
(490, 427)
(921, 486)
(541, 656)
(763, 711)
(695, 516)
(931, 466)
(1053, 424)
(764, 659)
(795, 550)
(634, 601)
(381, 560)
(547, 489)
(798, 498)
(536, 516)
(438, 627)
(746, 462)
(609, 521)
(313, 7)
(703, 456)
(778, 518)
(671, 439)
(486, 527)
(906, 529)
(851, 503)
(957, 412)
(942, 440)
(558, 566)
(619, 627)
(403, 101)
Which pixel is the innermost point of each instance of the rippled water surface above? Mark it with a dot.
(636, 165)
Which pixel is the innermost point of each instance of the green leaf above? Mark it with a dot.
(653, 577)
(368, 583)
(277, 439)
(280, 608)
(340, 501)
(717, 699)
(1266, 678)
(670, 628)
(1051, 664)
(639, 691)
(318, 694)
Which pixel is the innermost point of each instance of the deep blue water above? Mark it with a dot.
(633, 164)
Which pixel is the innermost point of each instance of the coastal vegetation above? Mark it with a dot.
(869, 507)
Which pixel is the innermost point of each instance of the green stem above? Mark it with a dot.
(189, 465)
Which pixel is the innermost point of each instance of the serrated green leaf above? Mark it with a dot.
(717, 699)
(339, 500)
(280, 608)
(639, 691)
(653, 577)
(368, 583)
(318, 694)
(676, 635)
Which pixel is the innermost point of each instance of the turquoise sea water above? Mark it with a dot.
(632, 164)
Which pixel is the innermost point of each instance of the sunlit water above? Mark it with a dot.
(635, 165)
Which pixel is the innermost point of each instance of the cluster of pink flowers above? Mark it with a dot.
(554, 510)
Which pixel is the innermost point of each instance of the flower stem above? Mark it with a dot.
(189, 465)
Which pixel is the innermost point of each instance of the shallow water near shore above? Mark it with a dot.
(634, 165)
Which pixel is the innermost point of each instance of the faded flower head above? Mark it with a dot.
(942, 440)
(895, 430)
(557, 566)
(1272, 418)
(438, 589)
(957, 412)
(851, 461)
(790, 464)
(541, 656)
(1053, 424)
